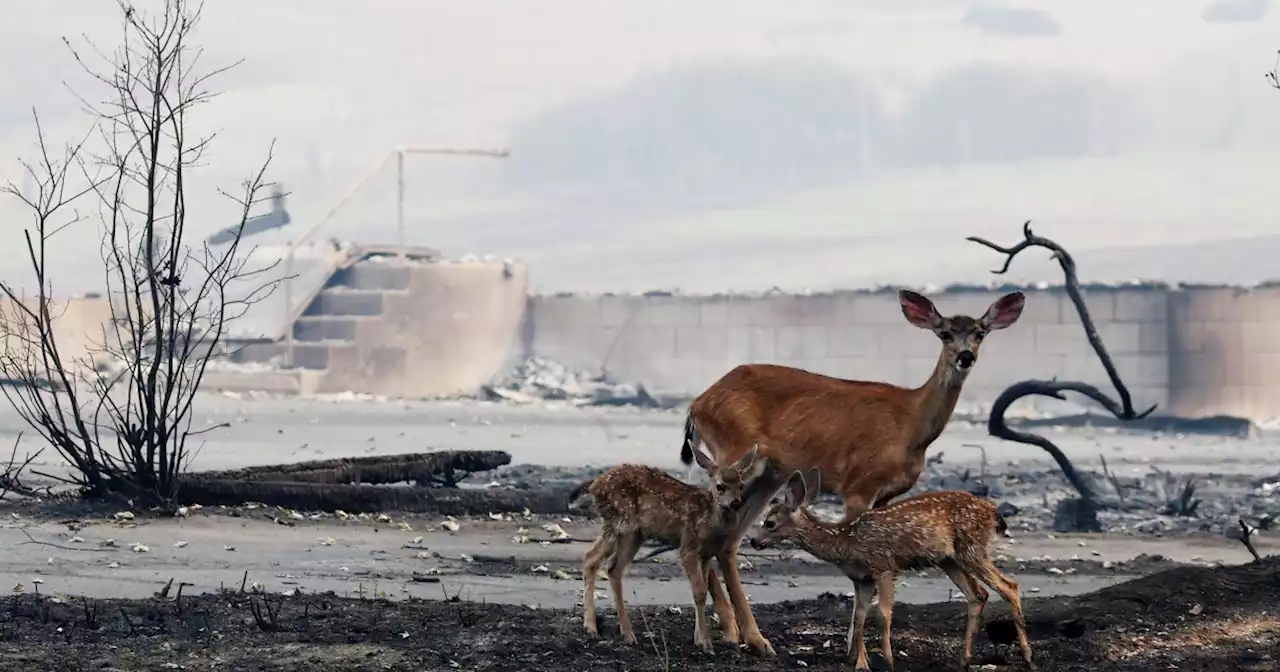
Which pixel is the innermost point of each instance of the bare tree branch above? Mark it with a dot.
(1122, 410)
(121, 414)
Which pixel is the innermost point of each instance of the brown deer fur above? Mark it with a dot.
(950, 530)
(868, 439)
(638, 503)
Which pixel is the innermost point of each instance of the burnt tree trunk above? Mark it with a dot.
(437, 468)
(1081, 514)
(374, 499)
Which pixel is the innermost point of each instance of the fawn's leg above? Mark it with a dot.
(591, 567)
(884, 586)
(728, 622)
(1008, 589)
(976, 598)
(863, 591)
(742, 609)
(623, 553)
(695, 569)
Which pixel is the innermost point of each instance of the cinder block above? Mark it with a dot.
(853, 341)
(877, 309)
(1084, 368)
(1041, 308)
(567, 313)
(1120, 338)
(645, 342)
(798, 343)
(1143, 370)
(1101, 305)
(1060, 339)
(674, 311)
(916, 370)
(904, 340)
(1153, 337)
(1141, 305)
(750, 344)
(714, 310)
(702, 342)
(623, 310)
(843, 308)
(373, 276)
(750, 311)
(342, 301)
(1018, 337)
(1260, 337)
(879, 369)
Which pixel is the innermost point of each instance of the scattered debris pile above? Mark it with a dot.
(368, 484)
(539, 379)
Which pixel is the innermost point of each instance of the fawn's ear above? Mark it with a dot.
(1004, 311)
(703, 459)
(795, 492)
(746, 460)
(918, 310)
(812, 484)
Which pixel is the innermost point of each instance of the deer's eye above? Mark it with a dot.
(719, 487)
(945, 336)
(977, 338)
(770, 524)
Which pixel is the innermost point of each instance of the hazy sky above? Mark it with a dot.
(654, 119)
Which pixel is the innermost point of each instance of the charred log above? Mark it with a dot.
(445, 468)
(373, 499)
(1122, 409)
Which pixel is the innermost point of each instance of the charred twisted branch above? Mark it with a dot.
(1122, 409)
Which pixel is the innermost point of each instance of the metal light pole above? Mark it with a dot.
(400, 156)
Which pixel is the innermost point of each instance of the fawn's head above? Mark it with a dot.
(961, 335)
(730, 483)
(800, 490)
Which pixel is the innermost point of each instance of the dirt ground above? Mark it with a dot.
(1188, 618)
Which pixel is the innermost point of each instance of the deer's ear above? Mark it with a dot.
(746, 460)
(1004, 311)
(918, 310)
(703, 459)
(795, 492)
(812, 484)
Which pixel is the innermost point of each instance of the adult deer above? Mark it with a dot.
(868, 439)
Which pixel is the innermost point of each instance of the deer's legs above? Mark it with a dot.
(856, 500)
(976, 598)
(863, 591)
(695, 569)
(742, 609)
(590, 568)
(884, 586)
(728, 622)
(624, 551)
(1008, 589)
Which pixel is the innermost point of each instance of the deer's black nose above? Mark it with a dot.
(965, 359)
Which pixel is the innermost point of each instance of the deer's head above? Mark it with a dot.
(781, 518)
(961, 335)
(731, 483)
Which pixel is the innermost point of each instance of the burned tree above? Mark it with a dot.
(1081, 513)
(120, 410)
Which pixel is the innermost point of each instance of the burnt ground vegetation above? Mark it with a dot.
(1191, 618)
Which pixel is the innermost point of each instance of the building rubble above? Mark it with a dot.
(537, 379)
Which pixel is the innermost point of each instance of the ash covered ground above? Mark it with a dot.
(516, 576)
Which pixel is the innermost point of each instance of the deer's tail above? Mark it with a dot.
(690, 439)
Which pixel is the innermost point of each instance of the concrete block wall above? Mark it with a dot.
(1225, 351)
(683, 343)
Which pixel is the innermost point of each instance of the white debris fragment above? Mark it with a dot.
(450, 524)
(179, 544)
(123, 515)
